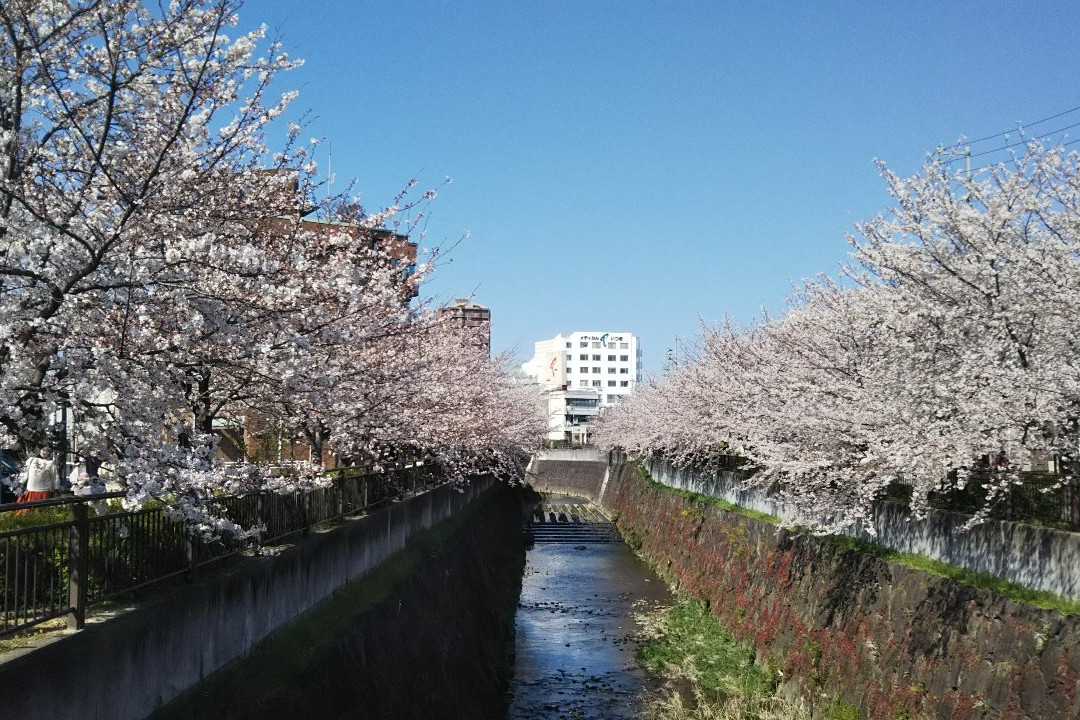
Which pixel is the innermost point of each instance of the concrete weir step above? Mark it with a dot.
(592, 533)
(567, 522)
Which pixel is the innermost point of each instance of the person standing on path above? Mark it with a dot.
(40, 478)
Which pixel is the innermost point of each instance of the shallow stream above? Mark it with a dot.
(575, 634)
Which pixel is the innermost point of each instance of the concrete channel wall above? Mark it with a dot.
(427, 634)
(131, 664)
(1034, 557)
(578, 472)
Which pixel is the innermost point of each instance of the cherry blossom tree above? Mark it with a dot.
(158, 267)
(467, 411)
(982, 275)
(133, 167)
(950, 338)
(426, 390)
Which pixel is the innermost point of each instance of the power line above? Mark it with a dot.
(1019, 143)
(1014, 129)
(990, 165)
(1025, 141)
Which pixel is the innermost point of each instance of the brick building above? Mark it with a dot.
(475, 319)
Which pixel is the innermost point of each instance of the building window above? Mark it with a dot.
(583, 383)
(611, 346)
(596, 358)
(611, 371)
(568, 345)
(583, 356)
(624, 358)
(596, 383)
(622, 371)
(596, 370)
(611, 383)
(584, 344)
(596, 344)
(624, 346)
(569, 369)
(624, 383)
(611, 358)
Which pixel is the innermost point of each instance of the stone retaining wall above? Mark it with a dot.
(889, 639)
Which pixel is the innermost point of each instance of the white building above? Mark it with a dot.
(608, 362)
(581, 373)
(570, 412)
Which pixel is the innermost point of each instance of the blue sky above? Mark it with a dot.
(637, 166)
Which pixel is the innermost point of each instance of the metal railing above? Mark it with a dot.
(1036, 498)
(56, 566)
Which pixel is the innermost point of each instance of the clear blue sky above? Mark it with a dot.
(637, 165)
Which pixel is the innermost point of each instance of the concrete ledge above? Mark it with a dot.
(572, 454)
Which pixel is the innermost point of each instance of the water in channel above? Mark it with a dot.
(575, 633)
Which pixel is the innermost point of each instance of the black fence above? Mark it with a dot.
(566, 445)
(75, 552)
(1047, 499)
(1034, 498)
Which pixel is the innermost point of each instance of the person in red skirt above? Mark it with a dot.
(41, 478)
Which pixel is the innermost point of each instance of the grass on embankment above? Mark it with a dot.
(710, 675)
(1042, 599)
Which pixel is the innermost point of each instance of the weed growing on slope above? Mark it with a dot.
(710, 675)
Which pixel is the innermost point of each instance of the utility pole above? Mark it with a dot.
(673, 354)
(64, 451)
